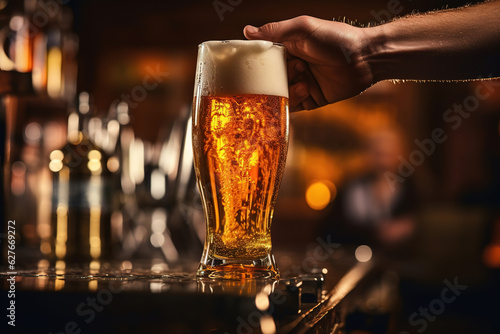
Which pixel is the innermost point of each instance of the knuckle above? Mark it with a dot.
(305, 21)
(269, 27)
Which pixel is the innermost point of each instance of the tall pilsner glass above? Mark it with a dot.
(240, 142)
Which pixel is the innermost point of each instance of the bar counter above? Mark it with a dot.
(132, 298)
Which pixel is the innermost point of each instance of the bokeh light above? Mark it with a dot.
(320, 194)
(363, 253)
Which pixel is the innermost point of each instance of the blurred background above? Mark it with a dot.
(393, 168)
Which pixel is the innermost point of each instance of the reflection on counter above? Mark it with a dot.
(126, 295)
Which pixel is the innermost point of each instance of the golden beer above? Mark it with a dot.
(240, 143)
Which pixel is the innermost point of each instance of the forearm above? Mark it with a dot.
(447, 45)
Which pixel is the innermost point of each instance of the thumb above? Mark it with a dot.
(278, 31)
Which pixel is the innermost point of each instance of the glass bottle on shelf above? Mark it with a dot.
(55, 49)
(19, 40)
(81, 204)
(116, 141)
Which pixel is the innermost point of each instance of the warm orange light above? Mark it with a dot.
(61, 231)
(59, 284)
(267, 325)
(93, 285)
(45, 247)
(491, 256)
(95, 233)
(62, 214)
(262, 301)
(23, 47)
(55, 165)
(94, 164)
(54, 79)
(320, 194)
(113, 164)
(56, 158)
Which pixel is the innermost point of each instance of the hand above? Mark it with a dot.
(325, 59)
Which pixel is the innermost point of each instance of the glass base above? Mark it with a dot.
(237, 269)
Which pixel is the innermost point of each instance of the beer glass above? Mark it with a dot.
(240, 142)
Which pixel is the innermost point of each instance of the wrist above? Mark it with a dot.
(374, 53)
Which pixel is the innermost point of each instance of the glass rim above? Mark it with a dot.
(241, 40)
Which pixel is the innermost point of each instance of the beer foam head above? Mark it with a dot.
(237, 67)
